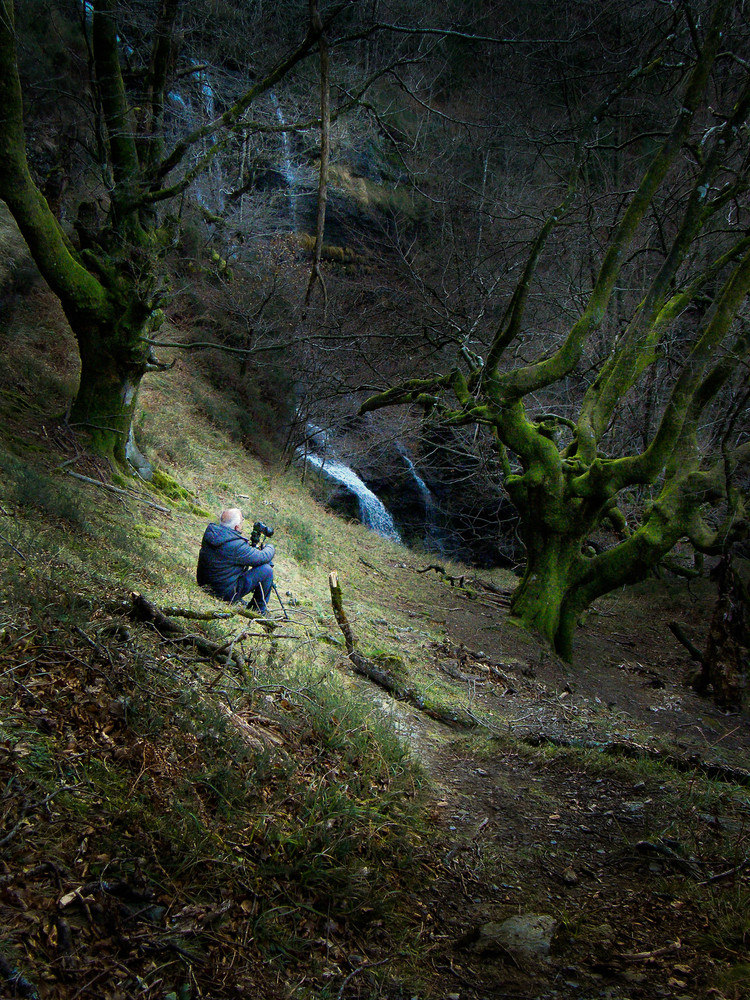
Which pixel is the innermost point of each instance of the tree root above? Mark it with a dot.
(383, 678)
(453, 580)
(681, 636)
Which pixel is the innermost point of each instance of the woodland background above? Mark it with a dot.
(493, 259)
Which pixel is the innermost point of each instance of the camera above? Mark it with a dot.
(259, 530)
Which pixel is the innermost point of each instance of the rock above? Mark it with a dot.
(602, 934)
(631, 976)
(569, 877)
(634, 807)
(529, 935)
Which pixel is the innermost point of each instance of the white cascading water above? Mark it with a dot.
(372, 512)
(422, 487)
(433, 535)
(208, 188)
(207, 91)
(290, 172)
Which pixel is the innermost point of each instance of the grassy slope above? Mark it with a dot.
(168, 828)
(208, 822)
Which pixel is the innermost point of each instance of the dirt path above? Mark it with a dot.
(634, 863)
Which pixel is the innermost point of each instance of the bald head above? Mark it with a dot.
(231, 518)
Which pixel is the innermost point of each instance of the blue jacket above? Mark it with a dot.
(224, 556)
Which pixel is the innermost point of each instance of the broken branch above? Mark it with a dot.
(383, 678)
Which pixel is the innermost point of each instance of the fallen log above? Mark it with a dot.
(371, 566)
(252, 733)
(143, 610)
(338, 609)
(130, 494)
(384, 678)
(234, 610)
(504, 594)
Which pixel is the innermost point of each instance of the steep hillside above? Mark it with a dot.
(178, 820)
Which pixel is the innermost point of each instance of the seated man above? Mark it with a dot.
(230, 567)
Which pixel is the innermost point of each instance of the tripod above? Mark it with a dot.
(275, 590)
(259, 532)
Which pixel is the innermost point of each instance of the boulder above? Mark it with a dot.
(528, 935)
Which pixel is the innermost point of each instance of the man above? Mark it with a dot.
(230, 567)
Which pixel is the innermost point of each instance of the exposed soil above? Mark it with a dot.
(620, 854)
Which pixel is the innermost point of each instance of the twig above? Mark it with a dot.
(18, 983)
(361, 968)
(731, 871)
(17, 551)
(133, 494)
(90, 983)
(271, 635)
(644, 956)
(34, 806)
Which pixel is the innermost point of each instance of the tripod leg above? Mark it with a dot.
(275, 590)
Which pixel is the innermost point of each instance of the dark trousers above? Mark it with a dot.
(257, 579)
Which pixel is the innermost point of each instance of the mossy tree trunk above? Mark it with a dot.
(110, 309)
(542, 601)
(113, 362)
(553, 533)
(109, 285)
(556, 471)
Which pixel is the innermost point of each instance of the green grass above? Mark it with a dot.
(323, 824)
(318, 818)
(301, 536)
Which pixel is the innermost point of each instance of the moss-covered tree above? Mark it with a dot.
(110, 281)
(557, 470)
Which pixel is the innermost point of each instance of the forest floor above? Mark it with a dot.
(643, 869)
(172, 829)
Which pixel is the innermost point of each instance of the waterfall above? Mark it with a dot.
(209, 188)
(434, 536)
(290, 172)
(372, 512)
(176, 96)
(422, 487)
(207, 91)
(317, 437)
